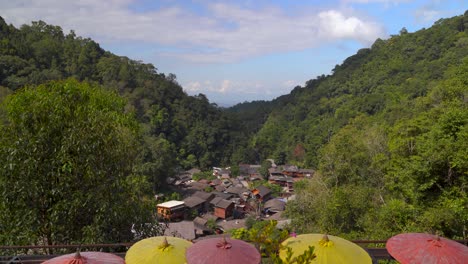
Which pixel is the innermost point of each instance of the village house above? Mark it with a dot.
(223, 173)
(307, 173)
(206, 197)
(262, 193)
(195, 204)
(240, 192)
(220, 188)
(215, 182)
(197, 186)
(223, 195)
(171, 210)
(182, 177)
(214, 202)
(284, 181)
(297, 174)
(256, 177)
(224, 209)
(249, 170)
(273, 206)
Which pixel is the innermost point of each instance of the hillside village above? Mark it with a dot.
(225, 201)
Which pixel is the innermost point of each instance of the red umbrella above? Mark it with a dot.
(413, 248)
(215, 250)
(89, 257)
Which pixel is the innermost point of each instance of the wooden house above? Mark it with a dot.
(297, 174)
(262, 193)
(195, 204)
(207, 197)
(224, 209)
(283, 181)
(238, 191)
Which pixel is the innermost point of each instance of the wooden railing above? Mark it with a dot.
(377, 253)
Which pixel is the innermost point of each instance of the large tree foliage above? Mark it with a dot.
(67, 155)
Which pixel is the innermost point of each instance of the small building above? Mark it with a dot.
(256, 177)
(204, 195)
(241, 192)
(182, 179)
(198, 186)
(215, 182)
(207, 197)
(194, 203)
(297, 174)
(274, 206)
(171, 210)
(220, 188)
(214, 202)
(204, 181)
(284, 181)
(224, 173)
(223, 195)
(224, 209)
(305, 173)
(248, 169)
(262, 193)
(275, 172)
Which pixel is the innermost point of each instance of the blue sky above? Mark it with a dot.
(235, 51)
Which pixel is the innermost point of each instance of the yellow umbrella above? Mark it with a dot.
(329, 249)
(158, 250)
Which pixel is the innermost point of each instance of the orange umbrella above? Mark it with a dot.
(425, 248)
(215, 250)
(89, 257)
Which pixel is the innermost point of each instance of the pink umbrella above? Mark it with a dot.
(215, 250)
(89, 257)
(413, 248)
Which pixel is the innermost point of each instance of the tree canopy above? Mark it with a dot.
(67, 155)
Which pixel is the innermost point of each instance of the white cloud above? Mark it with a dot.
(290, 83)
(225, 85)
(193, 87)
(335, 25)
(426, 14)
(228, 33)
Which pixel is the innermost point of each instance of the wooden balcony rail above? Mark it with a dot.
(376, 252)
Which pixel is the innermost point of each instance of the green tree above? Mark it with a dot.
(67, 155)
(266, 165)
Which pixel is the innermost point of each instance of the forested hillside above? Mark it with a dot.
(181, 131)
(387, 132)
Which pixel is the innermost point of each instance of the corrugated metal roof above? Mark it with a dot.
(171, 204)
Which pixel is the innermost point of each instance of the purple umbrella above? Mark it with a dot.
(215, 250)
